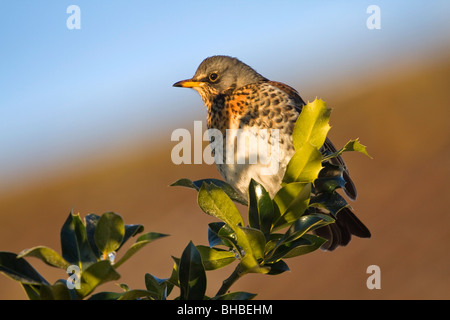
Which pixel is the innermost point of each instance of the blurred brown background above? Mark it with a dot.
(402, 116)
(86, 117)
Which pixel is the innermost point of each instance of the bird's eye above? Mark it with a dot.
(213, 76)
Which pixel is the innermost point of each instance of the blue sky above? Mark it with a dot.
(69, 94)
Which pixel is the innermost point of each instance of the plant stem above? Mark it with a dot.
(228, 282)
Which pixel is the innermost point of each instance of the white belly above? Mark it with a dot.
(261, 155)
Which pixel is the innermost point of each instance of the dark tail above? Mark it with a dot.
(346, 224)
(340, 232)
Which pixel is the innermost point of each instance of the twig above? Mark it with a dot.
(228, 282)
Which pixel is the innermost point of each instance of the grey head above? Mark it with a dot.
(219, 74)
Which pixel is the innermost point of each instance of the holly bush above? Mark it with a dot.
(278, 229)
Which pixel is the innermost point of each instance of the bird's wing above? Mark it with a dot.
(347, 224)
(328, 146)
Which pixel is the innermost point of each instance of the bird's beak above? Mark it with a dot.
(189, 83)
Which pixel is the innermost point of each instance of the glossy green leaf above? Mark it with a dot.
(106, 296)
(215, 202)
(127, 295)
(213, 234)
(109, 233)
(315, 242)
(215, 258)
(333, 202)
(296, 241)
(228, 189)
(74, 243)
(304, 165)
(261, 211)
(157, 287)
(305, 224)
(229, 237)
(135, 294)
(47, 255)
(57, 291)
(330, 178)
(309, 134)
(124, 286)
(19, 269)
(352, 145)
(91, 221)
(312, 125)
(249, 261)
(272, 242)
(285, 197)
(32, 291)
(142, 241)
(131, 230)
(174, 277)
(281, 251)
(95, 275)
(256, 241)
(278, 267)
(192, 274)
(292, 201)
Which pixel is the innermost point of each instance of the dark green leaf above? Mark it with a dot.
(239, 295)
(330, 178)
(130, 231)
(109, 233)
(142, 241)
(106, 296)
(315, 242)
(304, 224)
(127, 295)
(292, 201)
(281, 251)
(58, 291)
(228, 237)
(192, 274)
(32, 291)
(95, 275)
(228, 189)
(215, 258)
(214, 201)
(333, 202)
(47, 255)
(278, 267)
(273, 241)
(45, 292)
(184, 183)
(91, 221)
(135, 295)
(74, 243)
(261, 212)
(124, 286)
(19, 269)
(157, 287)
(213, 234)
(174, 279)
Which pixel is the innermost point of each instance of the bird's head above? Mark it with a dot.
(220, 75)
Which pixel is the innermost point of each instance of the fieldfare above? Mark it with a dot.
(237, 97)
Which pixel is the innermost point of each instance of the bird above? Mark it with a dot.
(238, 97)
